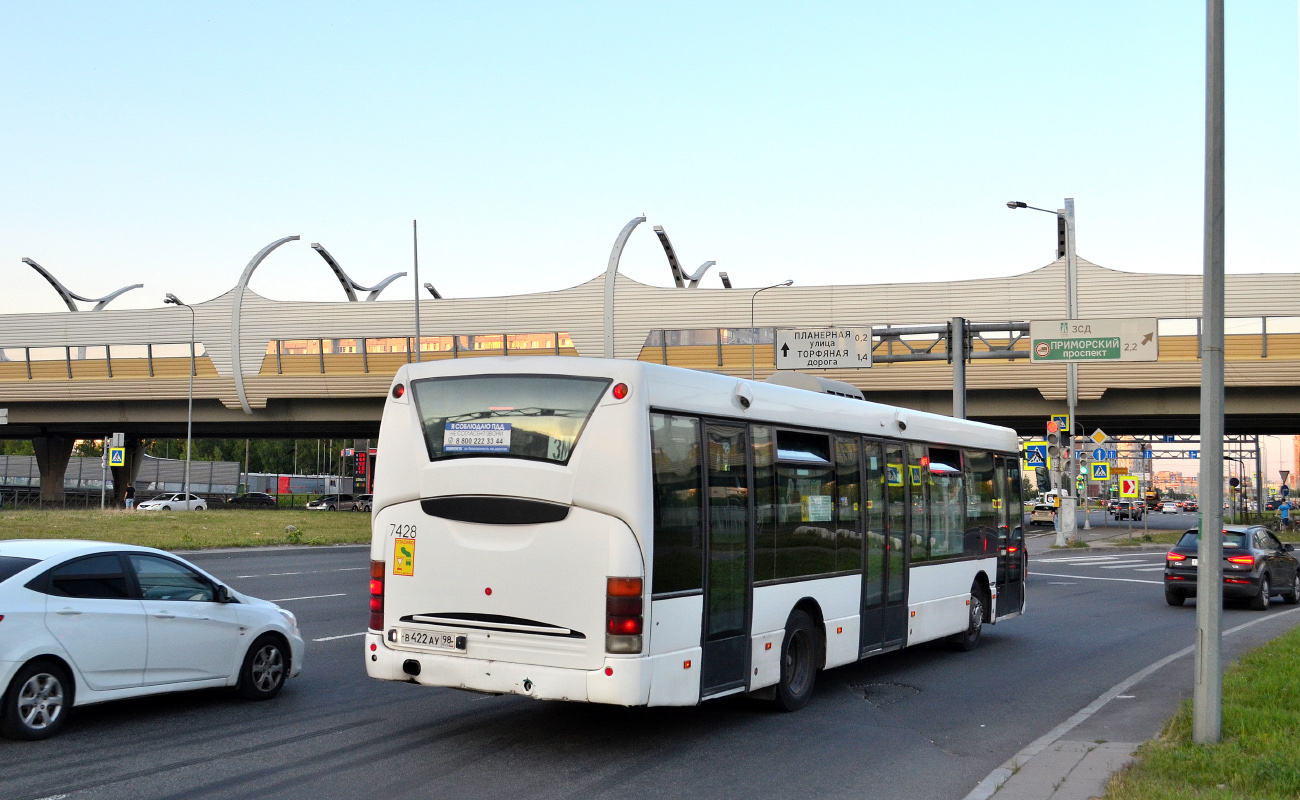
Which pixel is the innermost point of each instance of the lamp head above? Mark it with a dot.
(788, 282)
(173, 299)
(1016, 204)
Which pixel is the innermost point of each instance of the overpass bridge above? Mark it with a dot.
(267, 368)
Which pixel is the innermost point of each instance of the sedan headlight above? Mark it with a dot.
(288, 615)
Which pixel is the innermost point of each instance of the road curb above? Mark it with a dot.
(271, 548)
(998, 777)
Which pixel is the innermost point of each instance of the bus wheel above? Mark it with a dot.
(798, 663)
(974, 623)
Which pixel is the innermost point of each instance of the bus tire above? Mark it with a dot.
(970, 639)
(798, 663)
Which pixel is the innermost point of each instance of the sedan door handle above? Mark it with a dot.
(68, 612)
(164, 615)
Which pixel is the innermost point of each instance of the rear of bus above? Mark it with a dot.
(503, 552)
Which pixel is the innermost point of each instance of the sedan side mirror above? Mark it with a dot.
(223, 594)
(1289, 548)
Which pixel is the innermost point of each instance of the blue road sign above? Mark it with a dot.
(1099, 454)
(1286, 490)
(1166, 438)
(1193, 453)
(1101, 471)
(1112, 455)
(1036, 455)
(1148, 453)
(117, 456)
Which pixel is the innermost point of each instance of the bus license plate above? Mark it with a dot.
(434, 640)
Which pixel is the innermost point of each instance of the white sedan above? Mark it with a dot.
(85, 622)
(1169, 508)
(174, 502)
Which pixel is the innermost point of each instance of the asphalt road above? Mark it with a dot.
(926, 722)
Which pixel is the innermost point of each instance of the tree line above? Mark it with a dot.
(287, 456)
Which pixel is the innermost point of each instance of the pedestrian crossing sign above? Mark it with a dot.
(1101, 472)
(1036, 455)
(1063, 421)
(117, 456)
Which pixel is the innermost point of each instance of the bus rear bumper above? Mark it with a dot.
(620, 681)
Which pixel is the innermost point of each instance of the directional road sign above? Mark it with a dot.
(1286, 490)
(1060, 340)
(1128, 487)
(823, 348)
(1194, 454)
(1101, 471)
(117, 456)
(1099, 454)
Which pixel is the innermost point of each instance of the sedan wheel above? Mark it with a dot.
(36, 703)
(265, 668)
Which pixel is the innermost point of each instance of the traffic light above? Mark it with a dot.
(1053, 443)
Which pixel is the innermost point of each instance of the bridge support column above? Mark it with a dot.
(127, 474)
(52, 454)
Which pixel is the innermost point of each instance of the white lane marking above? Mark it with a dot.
(994, 780)
(61, 796)
(344, 636)
(1149, 569)
(309, 597)
(1075, 559)
(1125, 565)
(1091, 578)
(1062, 583)
(305, 572)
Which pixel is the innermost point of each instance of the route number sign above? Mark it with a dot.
(823, 348)
(1093, 340)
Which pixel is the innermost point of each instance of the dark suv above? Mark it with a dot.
(252, 500)
(1255, 565)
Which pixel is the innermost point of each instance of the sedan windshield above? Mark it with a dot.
(1230, 539)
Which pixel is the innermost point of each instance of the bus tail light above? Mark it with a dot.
(376, 595)
(624, 615)
(1242, 560)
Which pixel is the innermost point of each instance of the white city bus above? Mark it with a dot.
(620, 532)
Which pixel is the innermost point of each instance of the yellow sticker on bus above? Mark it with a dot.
(403, 556)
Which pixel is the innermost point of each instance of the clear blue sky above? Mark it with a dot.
(830, 143)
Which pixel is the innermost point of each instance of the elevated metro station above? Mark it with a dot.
(267, 368)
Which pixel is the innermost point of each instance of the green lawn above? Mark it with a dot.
(1259, 757)
(172, 530)
(1170, 537)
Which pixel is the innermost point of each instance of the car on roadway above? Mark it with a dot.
(85, 622)
(1042, 514)
(173, 502)
(1126, 509)
(1255, 566)
(332, 502)
(252, 500)
(363, 502)
(1169, 507)
(1188, 505)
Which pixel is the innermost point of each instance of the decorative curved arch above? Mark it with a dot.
(681, 277)
(68, 296)
(350, 286)
(238, 308)
(610, 272)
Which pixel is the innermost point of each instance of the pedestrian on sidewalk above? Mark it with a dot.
(1284, 513)
(128, 495)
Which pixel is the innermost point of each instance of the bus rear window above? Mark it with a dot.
(511, 416)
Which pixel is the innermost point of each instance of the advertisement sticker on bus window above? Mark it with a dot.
(817, 508)
(894, 472)
(403, 556)
(476, 437)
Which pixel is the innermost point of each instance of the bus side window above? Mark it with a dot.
(916, 484)
(848, 505)
(982, 503)
(678, 504)
(875, 514)
(764, 502)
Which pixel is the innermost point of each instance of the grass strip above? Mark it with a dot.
(192, 530)
(1259, 757)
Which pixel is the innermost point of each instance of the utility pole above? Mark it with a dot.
(415, 252)
(103, 473)
(957, 354)
(1207, 696)
(1072, 369)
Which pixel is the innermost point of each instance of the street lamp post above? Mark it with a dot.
(1066, 219)
(753, 332)
(189, 414)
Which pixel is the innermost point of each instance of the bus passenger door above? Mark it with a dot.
(895, 546)
(1011, 538)
(874, 568)
(725, 659)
